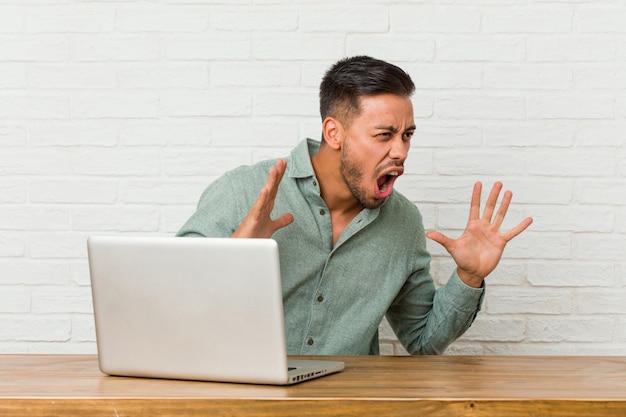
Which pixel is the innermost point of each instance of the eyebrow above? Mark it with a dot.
(393, 129)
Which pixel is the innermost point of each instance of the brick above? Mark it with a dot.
(481, 49)
(15, 161)
(212, 46)
(285, 104)
(206, 103)
(73, 191)
(570, 273)
(213, 162)
(117, 219)
(30, 107)
(67, 300)
(12, 191)
(83, 328)
(601, 19)
(11, 19)
(59, 245)
(12, 76)
(601, 302)
(15, 300)
(529, 301)
(298, 47)
(600, 192)
(67, 76)
(601, 77)
(33, 48)
(568, 218)
(12, 136)
(571, 107)
(444, 135)
(528, 134)
(570, 49)
(481, 107)
(528, 77)
(34, 272)
(361, 18)
(554, 329)
(620, 219)
(428, 19)
(446, 76)
(159, 76)
(115, 105)
(392, 48)
(115, 47)
(33, 217)
(572, 163)
(605, 133)
(467, 163)
(259, 133)
(598, 246)
(254, 74)
(73, 133)
(163, 18)
(527, 20)
(75, 18)
(12, 245)
(253, 19)
(35, 328)
(116, 162)
(164, 132)
(490, 329)
(164, 192)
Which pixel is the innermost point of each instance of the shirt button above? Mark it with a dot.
(322, 212)
(310, 342)
(314, 183)
(320, 298)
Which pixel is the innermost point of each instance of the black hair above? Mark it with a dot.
(350, 78)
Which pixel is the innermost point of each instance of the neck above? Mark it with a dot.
(334, 190)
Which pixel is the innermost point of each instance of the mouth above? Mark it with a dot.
(384, 183)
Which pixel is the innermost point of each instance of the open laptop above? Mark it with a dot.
(205, 309)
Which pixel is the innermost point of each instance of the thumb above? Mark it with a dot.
(438, 237)
(284, 220)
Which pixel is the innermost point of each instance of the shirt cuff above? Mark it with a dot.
(464, 297)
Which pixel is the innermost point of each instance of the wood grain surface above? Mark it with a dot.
(503, 386)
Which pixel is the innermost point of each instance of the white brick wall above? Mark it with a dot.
(115, 115)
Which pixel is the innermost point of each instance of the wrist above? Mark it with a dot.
(470, 279)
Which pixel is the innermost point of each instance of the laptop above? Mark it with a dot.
(207, 309)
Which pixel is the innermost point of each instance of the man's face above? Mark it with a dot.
(375, 147)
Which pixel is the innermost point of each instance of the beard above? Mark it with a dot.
(353, 177)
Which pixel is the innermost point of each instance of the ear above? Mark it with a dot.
(333, 133)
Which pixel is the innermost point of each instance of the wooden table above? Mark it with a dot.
(65, 385)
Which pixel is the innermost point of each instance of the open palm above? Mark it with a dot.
(479, 249)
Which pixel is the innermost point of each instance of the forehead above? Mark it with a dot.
(389, 108)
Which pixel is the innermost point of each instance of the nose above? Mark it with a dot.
(399, 148)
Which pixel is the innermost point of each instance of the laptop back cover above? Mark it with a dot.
(189, 308)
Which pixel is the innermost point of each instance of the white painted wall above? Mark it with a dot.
(115, 115)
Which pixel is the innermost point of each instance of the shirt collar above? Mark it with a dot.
(301, 166)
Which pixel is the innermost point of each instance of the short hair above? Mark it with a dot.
(350, 78)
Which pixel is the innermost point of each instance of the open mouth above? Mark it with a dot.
(384, 184)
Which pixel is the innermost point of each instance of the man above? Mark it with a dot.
(352, 249)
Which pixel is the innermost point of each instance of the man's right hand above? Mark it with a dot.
(258, 222)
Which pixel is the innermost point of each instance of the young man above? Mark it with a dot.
(352, 249)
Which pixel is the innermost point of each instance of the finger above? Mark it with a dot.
(439, 237)
(503, 209)
(475, 203)
(284, 220)
(274, 178)
(490, 206)
(518, 229)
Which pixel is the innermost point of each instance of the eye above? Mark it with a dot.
(409, 135)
